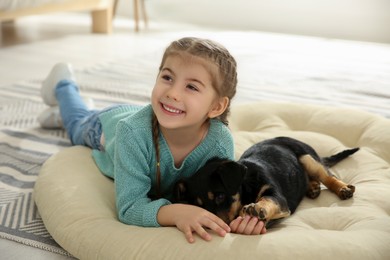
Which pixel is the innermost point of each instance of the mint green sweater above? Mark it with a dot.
(129, 158)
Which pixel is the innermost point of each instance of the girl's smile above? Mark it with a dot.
(171, 110)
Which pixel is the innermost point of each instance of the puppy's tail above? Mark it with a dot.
(334, 159)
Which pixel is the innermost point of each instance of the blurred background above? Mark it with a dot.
(364, 20)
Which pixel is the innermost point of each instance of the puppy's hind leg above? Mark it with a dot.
(317, 171)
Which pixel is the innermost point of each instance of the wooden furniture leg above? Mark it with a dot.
(114, 8)
(143, 9)
(137, 6)
(102, 20)
(136, 15)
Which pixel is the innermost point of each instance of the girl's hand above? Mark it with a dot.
(189, 219)
(248, 225)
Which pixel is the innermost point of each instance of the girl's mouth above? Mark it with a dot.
(171, 109)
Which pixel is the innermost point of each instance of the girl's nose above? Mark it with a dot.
(174, 92)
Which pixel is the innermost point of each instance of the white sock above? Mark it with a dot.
(60, 71)
(50, 118)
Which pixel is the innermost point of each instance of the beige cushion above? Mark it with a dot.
(77, 204)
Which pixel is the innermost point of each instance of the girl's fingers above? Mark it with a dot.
(217, 225)
(264, 229)
(258, 228)
(235, 224)
(189, 236)
(219, 230)
(250, 227)
(220, 225)
(207, 220)
(225, 227)
(203, 233)
(243, 224)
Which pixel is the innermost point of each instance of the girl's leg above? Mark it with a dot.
(50, 118)
(82, 125)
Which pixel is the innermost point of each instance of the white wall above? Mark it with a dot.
(367, 20)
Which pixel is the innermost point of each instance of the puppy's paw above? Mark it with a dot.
(346, 192)
(254, 210)
(314, 190)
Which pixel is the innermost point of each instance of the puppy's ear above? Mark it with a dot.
(232, 175)
(180, 192)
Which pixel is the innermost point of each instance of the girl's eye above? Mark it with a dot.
(192, 87)
(166, 77)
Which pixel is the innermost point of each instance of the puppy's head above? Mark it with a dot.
(215, 187)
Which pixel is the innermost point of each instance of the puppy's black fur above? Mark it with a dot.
(268, 181)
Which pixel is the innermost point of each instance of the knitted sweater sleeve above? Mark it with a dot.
(132, 157)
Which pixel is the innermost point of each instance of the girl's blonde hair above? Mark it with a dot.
(224, 79)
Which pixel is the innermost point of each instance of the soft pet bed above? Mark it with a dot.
(77, 203)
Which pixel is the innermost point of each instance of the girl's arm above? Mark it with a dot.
(189, 219)
(132, 179)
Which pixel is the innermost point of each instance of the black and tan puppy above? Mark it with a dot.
(268, 181)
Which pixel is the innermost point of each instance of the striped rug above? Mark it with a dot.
(338, 77)
(24, 147)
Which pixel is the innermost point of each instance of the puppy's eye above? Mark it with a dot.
(220, 198)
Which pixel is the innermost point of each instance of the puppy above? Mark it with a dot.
(268, 181)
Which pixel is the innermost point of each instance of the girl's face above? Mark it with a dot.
(183, 95)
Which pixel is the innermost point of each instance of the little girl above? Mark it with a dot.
(147, 149)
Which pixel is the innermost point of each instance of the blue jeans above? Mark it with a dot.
(82, 125)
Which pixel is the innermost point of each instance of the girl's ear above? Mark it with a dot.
(219, 107)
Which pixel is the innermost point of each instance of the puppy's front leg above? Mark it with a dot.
(266, 209)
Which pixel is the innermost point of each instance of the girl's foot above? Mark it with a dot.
(60, 71)
(50, 118)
